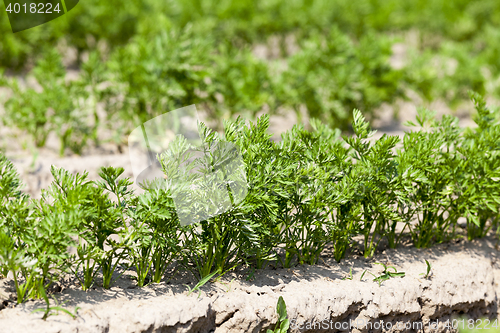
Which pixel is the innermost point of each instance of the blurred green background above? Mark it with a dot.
(137, 59)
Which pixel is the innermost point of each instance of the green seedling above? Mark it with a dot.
(200, 284)
(228, 285)
(283, 323)
(15, 262)
(251, 274)
(428, 273)
(87, 264)
(350, 277)
(48, 311)
(386, 274)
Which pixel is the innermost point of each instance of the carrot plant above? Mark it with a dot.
(210, 188)
(265, 187)
(15, 210)
(303, 213)
(112, 184)
(42, 240)
(431, 153)
(244, 82)
(385, 275)
(376, 172)
(428, 272)
(357, 74)
(343, 214)
(54, 106)
(150, 76)
(101, 221)
(69, 193)
(283, 322)
(156, 235)
(90, 85)
(479, 192)
(16, 261)
(49, 309)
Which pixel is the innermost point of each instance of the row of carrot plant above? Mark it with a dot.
(312, 189)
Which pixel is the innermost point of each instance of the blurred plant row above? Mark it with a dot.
(327, 57)
(148, 77)
(246, 22)
(330, 76)
(312, 190)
